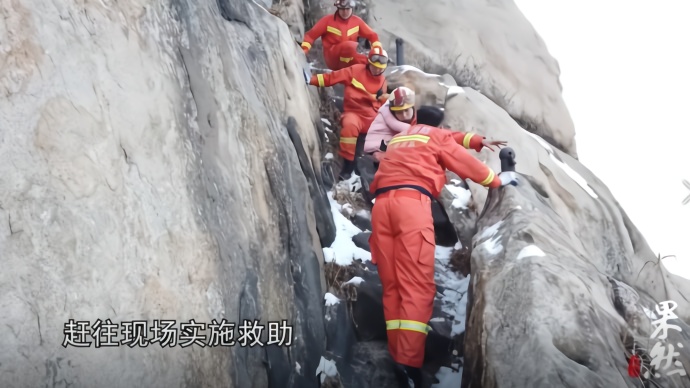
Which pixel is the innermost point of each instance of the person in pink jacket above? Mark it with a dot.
(394, 116)
(399, 113)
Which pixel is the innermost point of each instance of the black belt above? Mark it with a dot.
(418, 188)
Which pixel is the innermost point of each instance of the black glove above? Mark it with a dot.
(383, 147)
(379, 93)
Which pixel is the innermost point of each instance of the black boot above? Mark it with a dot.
(404, 374)
(401, 376)
(346, 171)
(415, 375)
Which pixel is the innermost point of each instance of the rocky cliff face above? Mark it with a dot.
(163, 161)
(157, 163)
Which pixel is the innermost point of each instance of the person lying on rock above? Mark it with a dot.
(365, 92)
(399, 112)
(339, 33)
(410, 174)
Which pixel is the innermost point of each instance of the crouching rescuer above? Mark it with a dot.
(365, 92)
(339, 33)
(410, 174)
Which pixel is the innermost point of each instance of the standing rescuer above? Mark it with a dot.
(365, 92)
(339, 33)
(410, 174)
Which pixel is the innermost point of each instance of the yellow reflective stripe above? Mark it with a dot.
(376, 44)
(488, 179)
(348, 140)
(346, 60)
(376, 64)
(420, 138)
(393, 324)
(414, 326)
(319, 77)
(466, 140)
(353, 30)
(306, 45)
(358, 85)
(399, 108)
(334, 30)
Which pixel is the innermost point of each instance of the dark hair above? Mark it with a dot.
(429, 115)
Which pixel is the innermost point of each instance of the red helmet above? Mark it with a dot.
(344, 4)
(401, 98)
(378, 57)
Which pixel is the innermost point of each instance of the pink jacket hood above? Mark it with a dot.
(384, 127)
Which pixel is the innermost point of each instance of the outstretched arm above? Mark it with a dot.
(315, 33)
(341, 76)
(458, 160)
(469, 140)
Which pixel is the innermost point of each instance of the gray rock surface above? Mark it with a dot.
(146, 173)
(542, 315)
(485, 45)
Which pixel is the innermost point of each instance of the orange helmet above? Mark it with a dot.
(401, 98)
(378, 57)
(344, 4)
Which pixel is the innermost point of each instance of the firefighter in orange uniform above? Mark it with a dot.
(339, 33)
(365, 92)
(411, 172)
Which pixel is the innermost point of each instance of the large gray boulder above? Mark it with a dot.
(486, 45)
(543, 315)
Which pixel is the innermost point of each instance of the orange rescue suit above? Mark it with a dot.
(402, 240)
(360, 104)
(339, 39)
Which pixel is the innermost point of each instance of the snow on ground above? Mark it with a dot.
(455, 90)
(568, 170)
(331, 299)
(453, 303)
(491, 244)
(650, 314)
(326, 368)
(355, 281)
(329, 156)
(454, 299)
(343, 251)
(449, 378)
(461, 196)
(490, 231)
(325, 121)
(541, 141)
(575, 176)
(530, 251)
